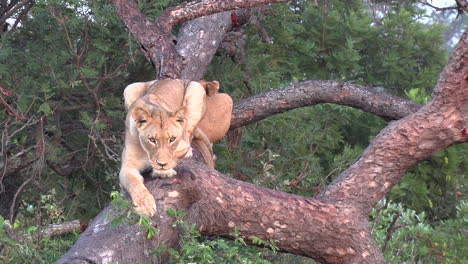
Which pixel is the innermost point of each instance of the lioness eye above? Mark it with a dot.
(152, 139)
(172, 139)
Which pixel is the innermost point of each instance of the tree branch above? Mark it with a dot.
(309, 93)
(217, 204)
(424, 2)
(198, 41)
(438, 124)
(59, 229)
(13, 10)
(156, 41)
(194, 9)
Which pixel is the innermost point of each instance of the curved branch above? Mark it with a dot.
(424, 2)
(195, 9)
(309, 93)
(7, 13)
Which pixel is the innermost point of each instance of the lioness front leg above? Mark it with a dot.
(144, 201)
(131, 179)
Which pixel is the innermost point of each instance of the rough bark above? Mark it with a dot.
(217, 204)
(157, 41)
(198, 41)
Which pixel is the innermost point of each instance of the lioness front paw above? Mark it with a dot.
(165, 173)
(144, 202)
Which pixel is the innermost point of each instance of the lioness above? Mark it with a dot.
(162, 118)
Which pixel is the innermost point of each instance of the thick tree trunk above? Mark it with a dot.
(198, 40)
(217, 204)
(332, 228)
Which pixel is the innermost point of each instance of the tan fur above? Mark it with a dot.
(204, 145)
(163, 118)
(211, 88)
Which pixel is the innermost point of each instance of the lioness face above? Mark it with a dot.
(160, 134)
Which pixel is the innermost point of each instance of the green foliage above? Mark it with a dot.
(418, 95)
(123, 212)
(342, 42)
(435, 185)
(196, 249)
(408, 237)
(326, 139)
(20, 242)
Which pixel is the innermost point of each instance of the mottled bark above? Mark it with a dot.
(59, 229)
(198, 41)
(309, 93)
(217, 204)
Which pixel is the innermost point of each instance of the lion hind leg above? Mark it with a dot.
(217, 119)
(203, 144)
(211, 88)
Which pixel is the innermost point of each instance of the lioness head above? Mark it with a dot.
(160, 133)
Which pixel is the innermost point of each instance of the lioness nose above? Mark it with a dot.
(161, 164)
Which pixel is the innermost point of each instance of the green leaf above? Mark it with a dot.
(45, 108)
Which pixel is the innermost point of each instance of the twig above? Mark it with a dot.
(424, 2)
(59, 229)
(13, 203)
(10, 110)
(44, 232)
(390, 230)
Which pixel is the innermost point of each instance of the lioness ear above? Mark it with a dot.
(179, 115)
(211, 88)
(141, 116)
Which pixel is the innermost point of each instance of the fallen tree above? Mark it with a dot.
(332, 227)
